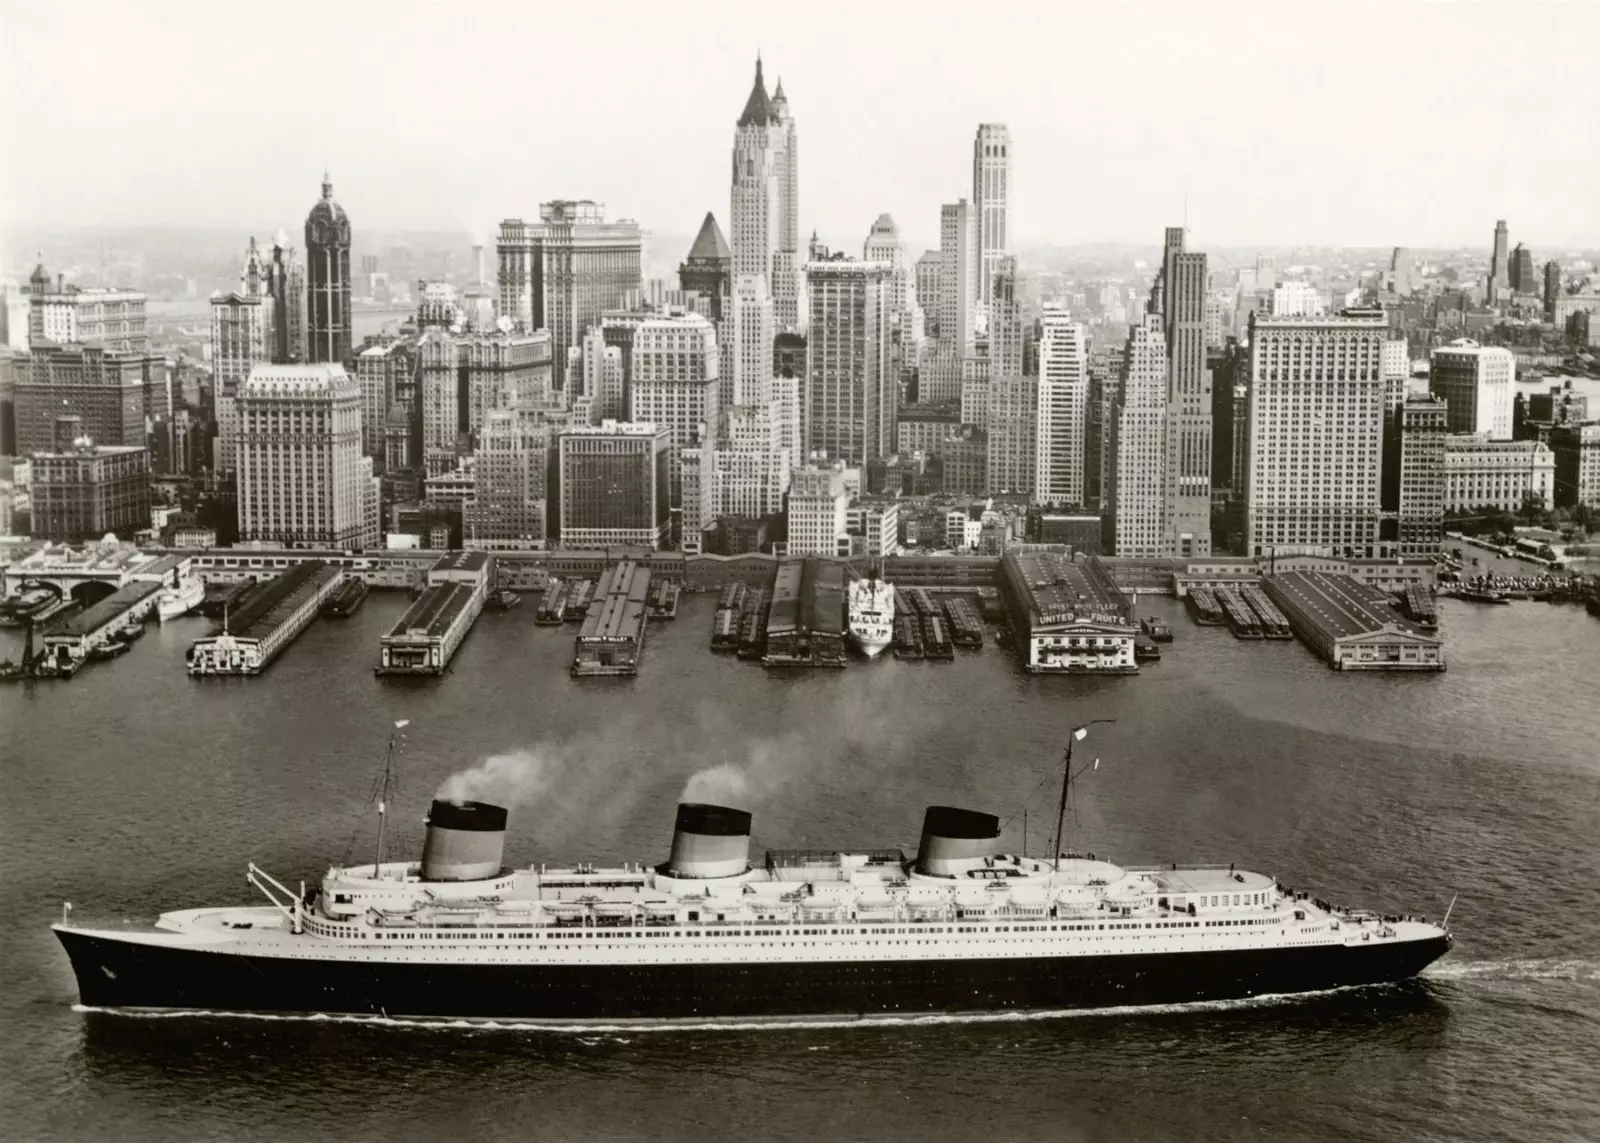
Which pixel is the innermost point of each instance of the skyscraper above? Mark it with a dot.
(563, 272)
(239, 338)
(1188, 475)
(1137, 447)
(1552, 289)
(613, 485)
(1062, 410)
(1520, 271)
(708, 269)
(991, 188)
(1479, 384)
(1005, 320)
(328, 328)
(849, 399)
(958, 277)
(286, 287)
(302, 479)
(510, 481)
(765, 198)
(1012, 420)
(675, 386)
(461, 377)
(1316, 434)
(927, 279)
(1423, 426)
(1499, 268)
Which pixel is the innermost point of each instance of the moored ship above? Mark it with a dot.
(961, 927)
(871, 614)
(185, 595)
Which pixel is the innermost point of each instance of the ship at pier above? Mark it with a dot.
(871, 613)
(707, 934)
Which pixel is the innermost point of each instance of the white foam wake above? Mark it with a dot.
(585, 1028)
(1514, 968)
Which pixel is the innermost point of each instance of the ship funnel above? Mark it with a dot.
(710, 841)
(465, 842)
(952, 837)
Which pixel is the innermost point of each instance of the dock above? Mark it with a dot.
(1068, 615)
(1418, 606)
(579, 595)
(1241, 620)
(966, 629)
(101, 629)
(1203, 605)
(725, 624)
(936, 642)
(553, 607)
(611, 639)
(663, 601)
(806, 625)
(1352, 625)
(220, 597)
(753, 623)
(268, 621)
(1272, 623)
(434, 626)
(907, 637)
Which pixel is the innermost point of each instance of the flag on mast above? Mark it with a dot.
(402, 724)
(1081, 733)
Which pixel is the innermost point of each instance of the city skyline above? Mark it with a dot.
(412, 155)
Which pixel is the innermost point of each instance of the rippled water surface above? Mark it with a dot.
(133, 789)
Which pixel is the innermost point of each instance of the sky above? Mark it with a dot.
(1262, 124)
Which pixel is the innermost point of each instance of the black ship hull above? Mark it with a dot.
(121, 974)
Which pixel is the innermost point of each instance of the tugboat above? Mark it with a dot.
(504, 599)
(1155, 630)
(1485, 595)
(708, 934)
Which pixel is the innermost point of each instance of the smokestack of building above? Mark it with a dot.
(465, 842)
(710, 841)
(952, 837)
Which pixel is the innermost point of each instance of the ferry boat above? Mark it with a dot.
(706, 934)
(871, 614)
(185, 595)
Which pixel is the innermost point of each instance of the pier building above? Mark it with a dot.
(1352, 625)
(434, 626)
(1068, 616)
(612, 636)
(806, 623)
(267, 622)
(69, 642)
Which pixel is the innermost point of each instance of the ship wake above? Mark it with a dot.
(1515, 968)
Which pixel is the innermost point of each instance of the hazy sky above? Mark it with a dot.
(1341, 123)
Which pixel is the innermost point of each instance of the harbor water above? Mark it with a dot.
(133, 788)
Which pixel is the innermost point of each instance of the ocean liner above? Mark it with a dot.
(871, 604)
(707, 935)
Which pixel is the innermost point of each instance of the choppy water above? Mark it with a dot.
(132, 789)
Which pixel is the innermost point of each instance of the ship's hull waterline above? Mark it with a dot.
(116, 973)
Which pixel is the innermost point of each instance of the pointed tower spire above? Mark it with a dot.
(758, 108)
(327, 184)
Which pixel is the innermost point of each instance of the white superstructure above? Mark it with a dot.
(871, 614)
(180, 599)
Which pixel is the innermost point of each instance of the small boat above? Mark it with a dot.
(1487, 595)
(134, 630)
(184, 596)
(1145, 649)
(504, 599)
(110, 649)
(345, 601)
(1155, 630)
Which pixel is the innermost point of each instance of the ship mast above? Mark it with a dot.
(1078, 733)
(383, 792)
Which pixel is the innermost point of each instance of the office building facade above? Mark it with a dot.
(1478, 382)
(614, 485)
(329, 328)
(1063, 396)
